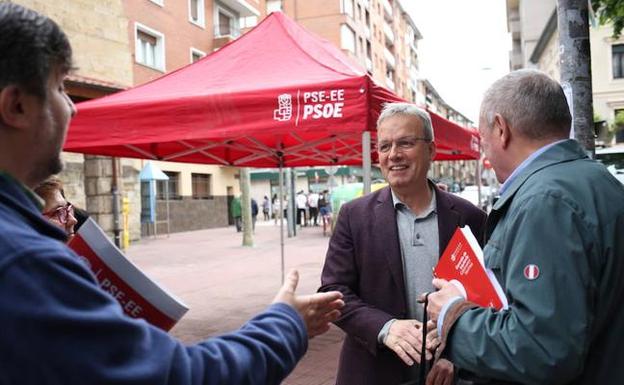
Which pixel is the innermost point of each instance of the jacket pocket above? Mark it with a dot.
(493, 258)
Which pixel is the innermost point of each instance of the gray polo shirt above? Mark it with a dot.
(418, 235)
(420, 244)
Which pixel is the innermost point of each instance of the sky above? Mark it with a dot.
(465, 48)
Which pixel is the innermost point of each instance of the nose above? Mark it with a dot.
(71, 222)
(72, 106)
(394, 151)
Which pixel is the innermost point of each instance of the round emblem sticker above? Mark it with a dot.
(531, 272)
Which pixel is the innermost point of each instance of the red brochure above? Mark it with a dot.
(138, 295)
(462, 264)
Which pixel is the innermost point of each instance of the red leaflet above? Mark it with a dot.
(462, 264)
(138, 295)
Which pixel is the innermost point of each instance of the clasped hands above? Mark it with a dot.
(405, 339)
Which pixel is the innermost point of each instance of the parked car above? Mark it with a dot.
(613, 159)
(471, 194)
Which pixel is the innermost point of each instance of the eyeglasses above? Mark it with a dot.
(61, 213)
(402, 144)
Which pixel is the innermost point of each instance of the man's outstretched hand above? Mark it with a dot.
(317, 310)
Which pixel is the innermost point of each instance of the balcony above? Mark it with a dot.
(390, 83)
(367, 32)
(516, 60)
(413, 72)
(413, 46)
(227, 31)
(389, 34)
(225, 34)
(242, 7)
(387, 7)
(369, 65)
(514, 28)
(413, 85)
(389, 56)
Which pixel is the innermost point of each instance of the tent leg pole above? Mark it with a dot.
(366, 162)
(281, 213)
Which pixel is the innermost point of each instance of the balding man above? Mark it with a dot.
(555, 241)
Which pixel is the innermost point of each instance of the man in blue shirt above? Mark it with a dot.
(57, 326)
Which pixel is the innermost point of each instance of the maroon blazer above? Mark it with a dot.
(364, 263)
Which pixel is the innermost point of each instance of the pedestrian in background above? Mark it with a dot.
(254, 213)
(266, 208)
(275, 204)
(302, 204)
(237, 214)
(313, 198)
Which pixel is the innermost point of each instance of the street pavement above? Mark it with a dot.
(225, 284)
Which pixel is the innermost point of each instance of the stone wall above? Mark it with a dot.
(189, 214)
(98, 173)
(72, 177)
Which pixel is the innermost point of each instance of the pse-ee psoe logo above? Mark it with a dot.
(324, 104)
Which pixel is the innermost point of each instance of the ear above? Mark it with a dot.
(432, 150)
(502, 130)
(14, 103)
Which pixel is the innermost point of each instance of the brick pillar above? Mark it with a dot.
(98, 177)
(72, 177)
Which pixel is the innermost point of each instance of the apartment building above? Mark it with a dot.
(170, 34)
(526, 20)
(607, 57)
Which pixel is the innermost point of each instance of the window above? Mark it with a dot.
(201, 186)
(196, 55)
(347, 7)
(274, 6)
(617, 60)
(149, 47)
(347, 38)
(248, 22)
(226, 23)
(174, 186)
(197, 12)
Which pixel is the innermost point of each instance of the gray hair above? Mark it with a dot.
(531, 102)
(393, 109)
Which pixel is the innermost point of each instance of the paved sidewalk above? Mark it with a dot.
(225, 284)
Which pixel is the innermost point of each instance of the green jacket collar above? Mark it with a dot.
(563, 152)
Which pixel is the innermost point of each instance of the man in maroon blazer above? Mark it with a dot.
(383, 249)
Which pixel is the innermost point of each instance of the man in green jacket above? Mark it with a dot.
(236, 212)
(555, 242)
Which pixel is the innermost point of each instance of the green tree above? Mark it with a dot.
(610, 12)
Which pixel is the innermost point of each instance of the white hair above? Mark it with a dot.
(393, 109)
(531, 102)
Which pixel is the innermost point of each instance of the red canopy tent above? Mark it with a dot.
(277, 96)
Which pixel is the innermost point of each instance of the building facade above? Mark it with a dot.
(607, 61)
